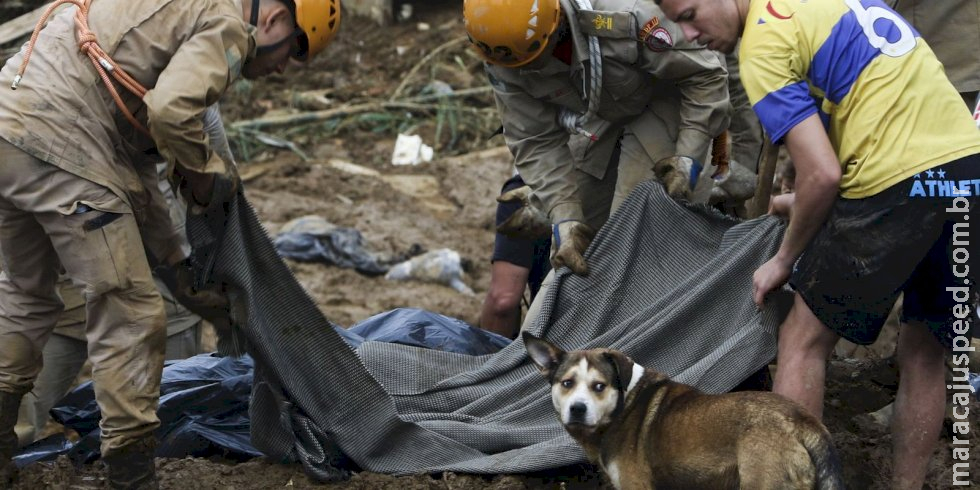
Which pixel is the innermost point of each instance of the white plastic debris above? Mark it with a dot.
(410, 150)
(441, 266)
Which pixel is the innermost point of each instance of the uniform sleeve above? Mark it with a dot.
(773, 74)
(217, 138)
(197, 75)
(540, 149)
(702, 79)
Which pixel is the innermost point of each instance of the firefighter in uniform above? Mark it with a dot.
(107, 86)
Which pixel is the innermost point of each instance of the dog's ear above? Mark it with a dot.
(622, 366)
(545, 354)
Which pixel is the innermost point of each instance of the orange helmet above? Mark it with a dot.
(319, 20)
(510, 33)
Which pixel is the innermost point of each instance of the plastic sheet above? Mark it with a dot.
(314, 239)
(204, 399)
(412, 326)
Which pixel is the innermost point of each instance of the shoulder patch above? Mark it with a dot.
(648, 28)
(659, 40)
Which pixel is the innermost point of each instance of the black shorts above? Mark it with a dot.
(530, 254)
(907, 238)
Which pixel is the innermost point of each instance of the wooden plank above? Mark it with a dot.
(759, 204)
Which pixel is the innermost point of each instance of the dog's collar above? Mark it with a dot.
(635, 377)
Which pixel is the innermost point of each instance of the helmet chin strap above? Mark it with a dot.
(254, 20)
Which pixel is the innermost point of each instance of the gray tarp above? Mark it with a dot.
(670, 286)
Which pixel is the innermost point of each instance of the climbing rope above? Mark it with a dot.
(88, 44)
(568, 119)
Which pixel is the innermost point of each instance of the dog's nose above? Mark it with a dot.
(577, 412)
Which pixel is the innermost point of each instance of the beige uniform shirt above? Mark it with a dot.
(952, 29)
(639, 68)
(185, 53)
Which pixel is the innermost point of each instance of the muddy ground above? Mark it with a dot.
(444, 203)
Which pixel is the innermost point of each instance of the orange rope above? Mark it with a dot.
(88, 44)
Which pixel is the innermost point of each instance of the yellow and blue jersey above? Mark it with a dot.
(884, 99)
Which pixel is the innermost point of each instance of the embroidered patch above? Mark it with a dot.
(649, 27)
(601, 23)
(659, 40)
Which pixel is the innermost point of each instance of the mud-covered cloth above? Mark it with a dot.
(674, 301)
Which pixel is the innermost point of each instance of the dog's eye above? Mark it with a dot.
(567, 383)
(598, 387)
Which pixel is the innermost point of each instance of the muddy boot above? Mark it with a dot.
(9, 404)
(131, 467)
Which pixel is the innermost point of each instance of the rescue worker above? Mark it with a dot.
(65, 352)
(887, 164)
(104, 87)
(572, 84)
(517, 264)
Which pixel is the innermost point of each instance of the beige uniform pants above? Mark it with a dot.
(50, 219)
(645, 141)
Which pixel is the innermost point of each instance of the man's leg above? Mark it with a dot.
(634, 164)
(502, 307)
(63, 359)
(100, 246)
(801, 359)
(535, 308)
(29, 303)
(184, 344)
(919, 405)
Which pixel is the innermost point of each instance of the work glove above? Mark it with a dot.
(679, 175)
(569, 241)
(201, 189)
(736, 185)
(210, 302)
(528, 222)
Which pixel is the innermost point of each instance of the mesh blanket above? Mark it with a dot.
(669, 286)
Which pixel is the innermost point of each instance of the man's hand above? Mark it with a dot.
(769, 276)
(209, 303)
(782, 206)
(679, 174)
(199, 189)
(568, 242)
(528, 222)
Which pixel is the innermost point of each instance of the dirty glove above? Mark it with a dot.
(679, 175)
(569, 240)
(200, 189)
(528, 222)
(210, 303)
(735, 186)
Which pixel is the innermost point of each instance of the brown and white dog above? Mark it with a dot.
(647, 431)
